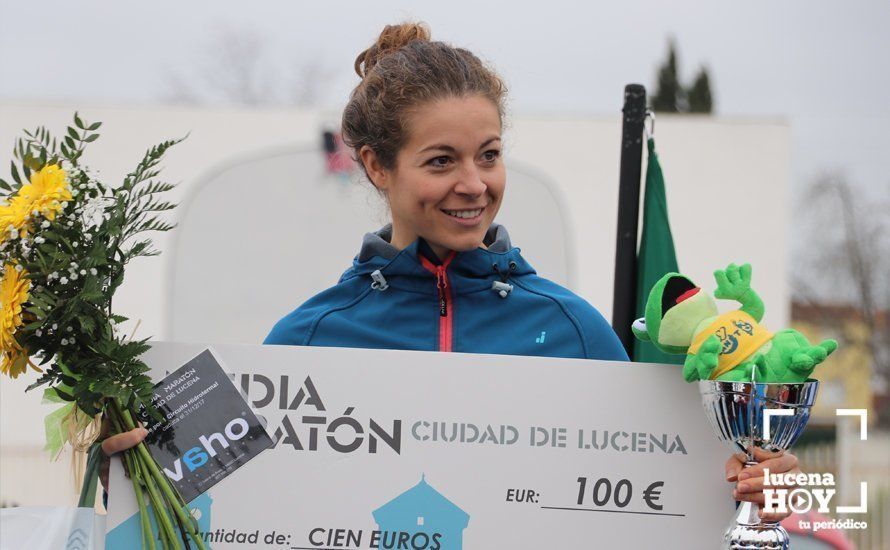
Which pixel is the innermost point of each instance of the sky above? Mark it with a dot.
(822, 65)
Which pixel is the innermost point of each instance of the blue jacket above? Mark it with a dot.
(480, 301)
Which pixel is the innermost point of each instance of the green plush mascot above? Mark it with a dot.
(680, 318)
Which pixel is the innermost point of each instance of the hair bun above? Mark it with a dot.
(390, 40)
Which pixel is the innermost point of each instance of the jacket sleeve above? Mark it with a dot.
(597, 337)
(297, 327)
(293, 328)
(600, 340)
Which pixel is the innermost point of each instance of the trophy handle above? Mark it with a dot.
(751, 422)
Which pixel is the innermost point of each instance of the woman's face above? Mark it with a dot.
(449, 176)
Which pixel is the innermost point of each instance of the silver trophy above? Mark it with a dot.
(736, 412)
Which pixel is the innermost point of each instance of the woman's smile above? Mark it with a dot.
(465, 216)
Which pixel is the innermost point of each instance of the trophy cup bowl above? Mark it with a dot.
(736, 412)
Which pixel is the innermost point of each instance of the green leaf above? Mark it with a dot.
(94, 126)
(33, 326)
(91, 138)
(15, 172)
(64, 395)
(73, 133)
(5, 186)
(77, 121)
(45, 378)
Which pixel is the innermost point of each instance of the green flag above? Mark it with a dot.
(657, 255)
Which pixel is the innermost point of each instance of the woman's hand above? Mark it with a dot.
(116, 444)
(749, 486)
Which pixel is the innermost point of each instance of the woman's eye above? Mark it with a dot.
(491, 155)
(439, 162)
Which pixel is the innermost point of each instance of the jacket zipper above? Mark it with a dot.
(446, 308)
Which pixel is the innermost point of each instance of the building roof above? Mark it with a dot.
(421, 500)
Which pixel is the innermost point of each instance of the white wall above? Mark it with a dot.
(727, 185)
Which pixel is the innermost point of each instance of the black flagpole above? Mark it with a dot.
(625, 286)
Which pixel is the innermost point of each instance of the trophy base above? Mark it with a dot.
(763, 536)
(747, 532)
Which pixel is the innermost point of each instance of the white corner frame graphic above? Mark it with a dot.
(863, 486)
(862, 508)
(769, 413)
(863, 420)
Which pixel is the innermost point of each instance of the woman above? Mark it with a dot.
(425, 123)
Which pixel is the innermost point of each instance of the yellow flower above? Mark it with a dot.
(15, 363)
(13, 215)
(13, 294)
(45, 194)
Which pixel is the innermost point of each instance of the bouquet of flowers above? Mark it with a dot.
(65, 240)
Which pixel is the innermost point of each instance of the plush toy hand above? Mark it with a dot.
(707, 357)
(733, 282)
(805, 360)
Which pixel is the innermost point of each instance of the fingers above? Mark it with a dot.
(762, 455)
(707, 362)
(801, 361)
(818, 354)
(709, 359)
(711, 344)
(775, 517)
(732, 281)
(750, 485)
(751, 480)
(690, 371)
(829, 346)
(757, 498)
(734, 465)
(720, 277)
(123, 441)
(732, 273)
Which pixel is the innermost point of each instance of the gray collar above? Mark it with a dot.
(378, 243)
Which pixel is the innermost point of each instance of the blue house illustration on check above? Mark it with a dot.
(422, 509)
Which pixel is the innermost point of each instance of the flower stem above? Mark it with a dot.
(147, 535)
(136, 467)
(148, 461)
(165, 523)
(138, 488)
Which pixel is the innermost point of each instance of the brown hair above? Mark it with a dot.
(402, 70)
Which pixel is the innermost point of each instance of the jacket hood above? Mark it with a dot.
(475, 269)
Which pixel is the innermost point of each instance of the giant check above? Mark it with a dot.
(417, 450)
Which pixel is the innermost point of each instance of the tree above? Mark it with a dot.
(235, 70)
(668, 93)
(699, 95)
(844, 259)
